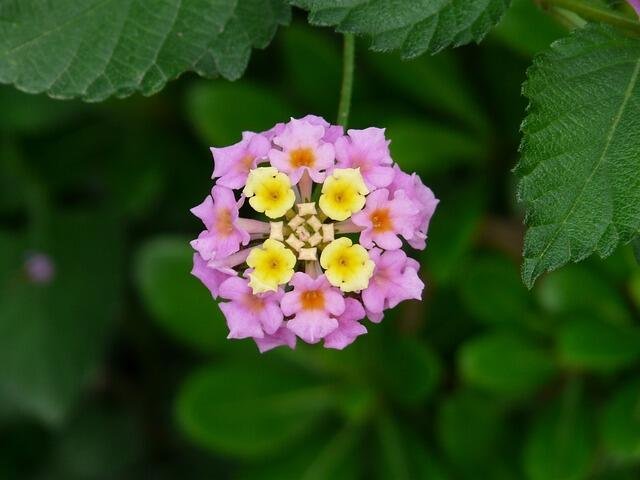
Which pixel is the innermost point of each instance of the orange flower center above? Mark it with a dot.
(247, 162)
(381, 220)
(302, 157)
(224, 223)
(312, 300)
(253, 303)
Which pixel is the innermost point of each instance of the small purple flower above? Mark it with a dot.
(232, 164)
(315, 306)
(40, 268)
(368, 150)
(394, 280)
(283, 336)
(302, 150)
(331, 132)
(349, 328)
(383, 219)
(219, 213)
(249, 314)
(212, 278)
(423, 199)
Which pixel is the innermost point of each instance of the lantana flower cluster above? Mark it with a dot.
(319, 248)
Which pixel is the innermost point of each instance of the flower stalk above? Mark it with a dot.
(348, 56)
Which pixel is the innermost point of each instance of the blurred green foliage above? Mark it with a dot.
(119, 367)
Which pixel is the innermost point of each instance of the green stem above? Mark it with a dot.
(594, 13)
(347, 79)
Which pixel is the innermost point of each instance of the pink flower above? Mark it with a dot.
(422, 197)
(232, 164)
(210, 277)
(635, 4)
(315, 305)
(219, 213)
(248, 314)
(349, 328)
(383, 219)
(394, 280)
(302, 149)
(368, 150)
(331, 132)
(282, 336)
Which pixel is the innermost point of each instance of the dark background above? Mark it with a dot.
(118, 368)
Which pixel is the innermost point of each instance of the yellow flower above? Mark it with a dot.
(269, 191)
(346, 265)
(343, 193)
(272, 265)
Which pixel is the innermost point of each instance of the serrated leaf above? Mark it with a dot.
(580, 150)
(95, 49)
(414, 27)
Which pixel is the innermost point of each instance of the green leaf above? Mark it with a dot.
(100, 48)
(250, 409)
(53, 334)
(411, 371)
(221, 112)
(580, 289)
(414, 27)
(469, 427)
(449, 148)
(176, 300)
(452, 231)
(320, 457)
(98, 443)
(621, 423)
(401, 453)
(491, 290)
(579, 151)
(505, 363)
(636, 249)
(433, 82)
(561, 443)
(312, 62)
(598, 345)
(527, 29)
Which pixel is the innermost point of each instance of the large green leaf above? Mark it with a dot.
(250, 408)
(412, 26)
(561, 443)
(621, 423)
(98, 48)
(176, 300)
(580, 149)
(505, 363)
(598, 345)
(52, 335)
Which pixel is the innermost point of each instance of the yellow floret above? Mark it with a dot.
(269, 191)
(346, 265)
(272, 265)
(343, 193)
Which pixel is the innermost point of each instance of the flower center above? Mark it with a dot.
(381, 220)
(246, 163)
(302, 157)
(312, 300)
(253, 303)
(224, 222)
